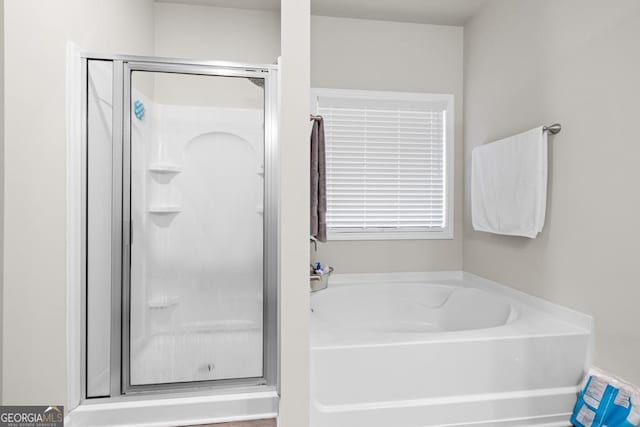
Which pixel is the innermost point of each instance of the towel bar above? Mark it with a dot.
(554, 128)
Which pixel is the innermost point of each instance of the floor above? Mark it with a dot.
(256, 423)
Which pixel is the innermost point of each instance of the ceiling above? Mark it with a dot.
(439, 12)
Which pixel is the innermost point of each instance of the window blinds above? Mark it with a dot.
(385, 164)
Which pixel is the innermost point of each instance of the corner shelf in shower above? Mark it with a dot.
(164, 209)
(165, 168)
(162, 302)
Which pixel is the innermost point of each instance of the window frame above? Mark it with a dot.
(445, 233)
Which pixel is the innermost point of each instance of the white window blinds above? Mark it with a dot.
(386, 163)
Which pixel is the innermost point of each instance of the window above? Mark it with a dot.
(389, 162)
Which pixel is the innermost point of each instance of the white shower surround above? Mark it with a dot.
(180, 330)
(442, 349)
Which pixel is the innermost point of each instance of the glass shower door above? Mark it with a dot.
(195, 291)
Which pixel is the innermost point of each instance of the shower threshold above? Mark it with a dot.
(186, 408)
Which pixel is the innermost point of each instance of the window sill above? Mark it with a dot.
(401, 235)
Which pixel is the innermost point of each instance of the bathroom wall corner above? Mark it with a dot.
(535, 62)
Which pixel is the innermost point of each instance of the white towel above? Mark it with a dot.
(509, 185)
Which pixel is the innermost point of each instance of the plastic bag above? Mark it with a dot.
(607, 401)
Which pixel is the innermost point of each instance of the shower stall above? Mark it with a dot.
(181, 224)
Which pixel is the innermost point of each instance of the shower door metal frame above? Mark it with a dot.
(269, 221)
(123, 67)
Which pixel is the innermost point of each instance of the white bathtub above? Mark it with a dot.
(441, 349)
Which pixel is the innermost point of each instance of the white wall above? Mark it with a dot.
(36, 33)
(378, 55)
(577, 62)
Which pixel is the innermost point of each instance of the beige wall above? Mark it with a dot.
(216, 33)
(377, 55)
(36, 33)
(577, 62)
(294, 219)
(213, 33)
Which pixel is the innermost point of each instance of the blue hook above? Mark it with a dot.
(138, 109)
